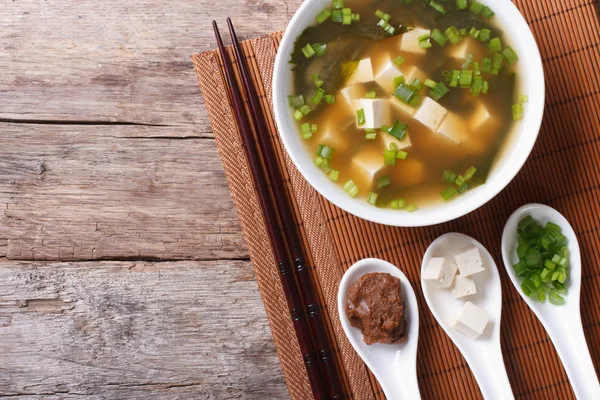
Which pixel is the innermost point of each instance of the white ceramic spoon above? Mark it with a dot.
(483, 354)
(563, 323)
(394, 365)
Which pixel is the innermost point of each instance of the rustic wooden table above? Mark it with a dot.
(123, 273)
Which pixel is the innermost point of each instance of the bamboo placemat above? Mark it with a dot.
(563, 171)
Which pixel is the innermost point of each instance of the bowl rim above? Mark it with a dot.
(502, 173)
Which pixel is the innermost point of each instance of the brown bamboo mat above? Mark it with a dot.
(563, 171)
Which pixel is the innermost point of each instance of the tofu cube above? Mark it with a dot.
(400, 107)
(363, 72)
(469, 262)
(460, 51)
(353, 92)
(377, 112)
(366, 166)
(336, 133)
(463, 286)
(384, 76)
(453, 128)
(431, 114)
(480, 117)
(440, 272)
(408, 172)
(414, 72)
(409, 41)
(400, 144)
(471, 321)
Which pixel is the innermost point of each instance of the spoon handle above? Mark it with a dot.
(574, 353)
(491, 376)
(401, 382)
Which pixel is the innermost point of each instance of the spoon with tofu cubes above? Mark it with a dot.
(462, 288)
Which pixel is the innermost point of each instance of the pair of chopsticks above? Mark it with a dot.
(312, 337)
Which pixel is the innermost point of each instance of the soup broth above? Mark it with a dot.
(442, 145)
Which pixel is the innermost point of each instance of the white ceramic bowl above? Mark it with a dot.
(506, 166)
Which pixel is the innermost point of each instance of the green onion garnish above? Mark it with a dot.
(470, 173)
(383, 182)
(308, 51)
(430, 83)
(399, 60)
(466, 78)
(372, 198)
(325, 151)
(336, 16)
(398, 80)
(398, 204)
(497, 63)
(486, 65)
(449, 193)
(305, 109)
(334, 175)
(306, 132)
(351, 188)
(459, 180)
(318, 96)
(468, 61)
(424, 41)
(317, 81)
(401, 155)
(476, 69)
(411, 207)
(453, 34)
(398, 130)
(438, 91)
(495, 45)
(408, 94)
(485, 35)
(298, 115)
(477, 85)
(417, 84)
(463, 31)
(486, 86)
(487, 12)
(555, 298)
(319, 49)
(329, 99)
(454, 78)
(360, 117)
(476, 7)
(296, 101)
(370, 134)
(338, 4)
(437, 7)
(517, 110)
(355, 17)
(389, 157)
(370, 94)
(346, 16)
(449, 176)
(523, 98)
(461, 4)
(313, 128)
(510, 55)
(323, 16)
(439, 37)
(474, 33)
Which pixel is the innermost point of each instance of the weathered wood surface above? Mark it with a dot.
(128, 330)
(106, 153)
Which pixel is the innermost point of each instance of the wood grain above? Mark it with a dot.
(135, 330)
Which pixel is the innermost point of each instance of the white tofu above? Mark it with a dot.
(336, 134)
(398, 106)
(471, 321)
(377, 112)
(431, 114)
(480, 117)
(388, 139)
(453, 128)
(410, 41)
(463, 286)
(469, 262)
(353, 92)
(460, 51)
(366, 165)
(363, 72)
(440, 272)
(384, 76)
(414, 72)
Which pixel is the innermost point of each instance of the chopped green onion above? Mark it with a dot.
(296, 101)
(317, 81)
(476, 69)
(449, 193)
(416, 83)
(555, 298)
(398, 80)
(459, 180)
(528, 287)
(510, 55)
(305, 109)
(298, 115)
(453, 34)
(497, 64)
(437, 7)
(408, 94)
(308, 51)
(382, 15)
(306, 132)
(313, 128)
(360, 117)
(487, 12)
(463, 188)
(474, 33)
(517, 110)
(449, 176)
(389, 157)
(323, 16)
(401, 155)
(477, 85)
(461, 4)
(399, 60)
(325, 151)
(486, 65)
(383, 182)
(398, 130)
(454, 78)
(463, 32)
(495, 45)
(438, 91)
(351, 188)
(346, 16)
(466, 78)
(411, 207)
(476, 7)
(468, 61)
(372, 198)
(485, 88)
(470, 173)
(334, 175)
(430, 83)
(439, 37)
(355, 17)
(485, 35)
(385, 128)
(320, 161)
(523, 98)
(370, 134)
(338, 4)
(329, 99)
(370, 94)
(398, 204)
(318, 96)
(425, 43)
(336, 16)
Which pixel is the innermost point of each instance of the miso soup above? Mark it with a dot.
(405, 103)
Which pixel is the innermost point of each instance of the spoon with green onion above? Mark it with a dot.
(532, 235)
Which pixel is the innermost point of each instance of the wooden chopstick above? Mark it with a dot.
(277, 243)
(284, 208)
